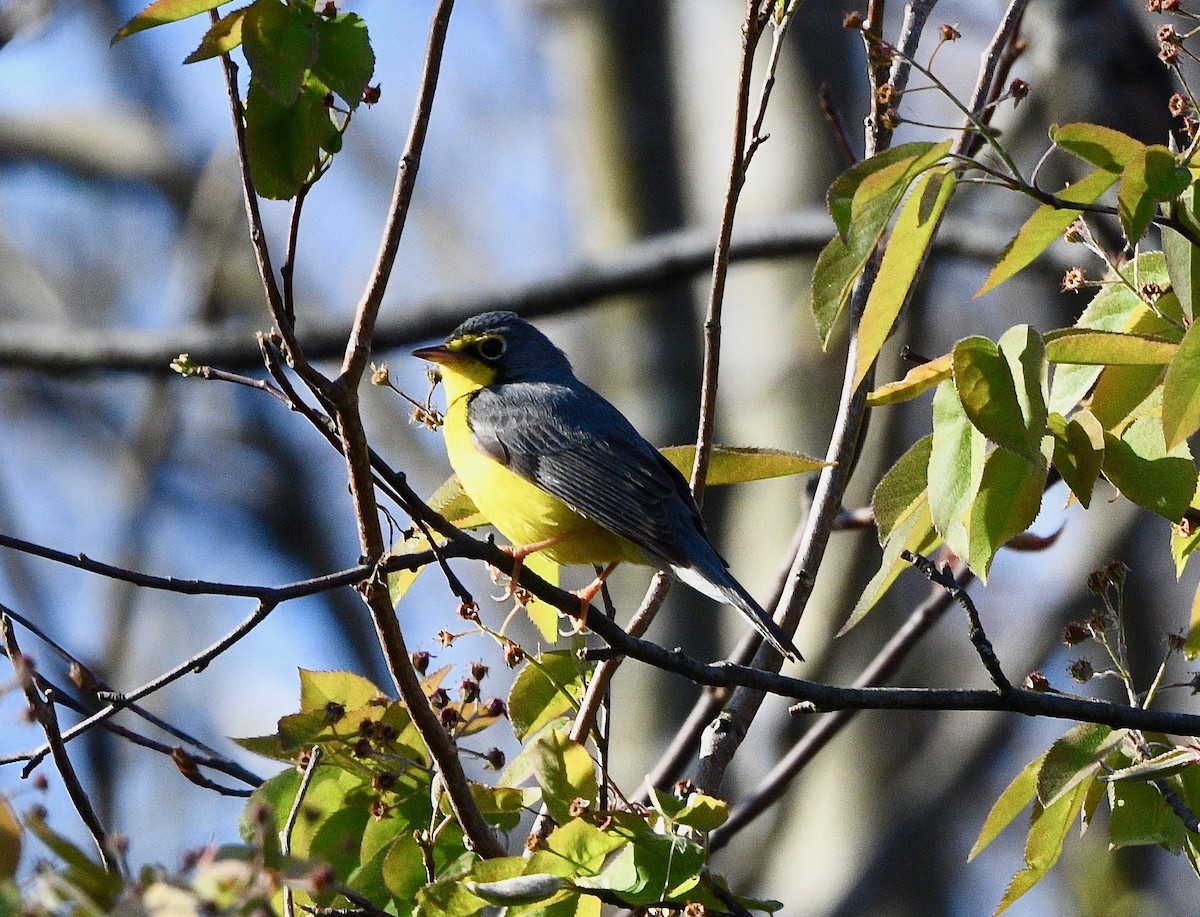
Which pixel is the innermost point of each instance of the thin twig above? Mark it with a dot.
(285, 833)
(944, 577)
(992, 56)
(47, 718)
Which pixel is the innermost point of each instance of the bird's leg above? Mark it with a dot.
(519, 553)
(585, 597)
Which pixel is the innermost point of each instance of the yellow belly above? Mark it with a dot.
(521, 511)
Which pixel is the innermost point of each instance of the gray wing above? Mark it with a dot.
(576, 446)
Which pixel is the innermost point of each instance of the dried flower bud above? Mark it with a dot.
(450, 717)
(1170, 6)
(513, 654)
(1075, 633)
(1018, 89)
(1081, 670)
(379, 375)
(853, 20)
(949, 33)
(1036, 681)
(1076, 232)
(439, 699)
(1168, 36)
(362, 748)
(371, 94)
(329, 10)
(885, 95)
(1168, 53)
(322, 877)
(383, 781)
(468, 691)
(497, 707)
(1151, 291)
(334, 711)
(445, 638)
(420, 661)
(379, 809)
(579, 807)
(479, 670)
(468, 611)
(1178, 105)
(1072, 281)
(495, 759)
(1176, 642)
(40, 783)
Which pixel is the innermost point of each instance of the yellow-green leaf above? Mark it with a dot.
(1191, 648)
(162, 12)
(1009, 497)
(902, 488)
(1181, 391)
(740, 465)
(565, 772)
(1103, 147)
(1044, 227)
(1025, 353)
(1044, 843)
(867, 181)
(10, 839)
(1150, 177)
(916, 381)
(1016, 796)
(347, 689)
(222, 38)
(1108, 348)
(548, 687)
(914, 533)
(988, 394)
(918, 220)
(955, 467)
(1075, 757)
(1141, 467)
(1078, 452)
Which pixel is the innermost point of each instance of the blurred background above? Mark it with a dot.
(566, 133)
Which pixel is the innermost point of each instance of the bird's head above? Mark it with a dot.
(496, 348)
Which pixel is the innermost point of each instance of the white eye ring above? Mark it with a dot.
(492, 348)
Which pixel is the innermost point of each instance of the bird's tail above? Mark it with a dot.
(729, 591)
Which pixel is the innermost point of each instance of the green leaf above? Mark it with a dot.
(519, 889)
(1025, 353)
(99, 885)
(1078, 452)
(162, 12)
(284, 142)
(915, 533)
(1141, 817)
(348, 690)
(1141, 467)
(989, 396)
(1122, 391)
(1108, 348)
(919, 219)
(1044, 227)
(740, 464)
(1150, 177)
(549, 686)
(565, 772)
(1074, 758)
(1181, 391)
(1182, 257)
(916, 381)
(281, 45)
(653, 867)
(1168, 764)
(222, 38)
(582, 846)
(838, 266)
(1009, 497)
(902, 488)
(345, 62)
(1016, 796)
(1044, 843)
(698, 811)
(10, 839)
(955, 467)
(1103, 147)
(402, 869)
(872, 178)
(862, 202)
(1191, 648)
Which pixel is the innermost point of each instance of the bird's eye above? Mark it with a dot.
(492, 348)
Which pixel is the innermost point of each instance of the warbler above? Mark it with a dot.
(558, 470)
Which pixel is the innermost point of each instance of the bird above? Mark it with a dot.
(557, 469)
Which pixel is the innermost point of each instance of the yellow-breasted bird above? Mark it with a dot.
(558, 470)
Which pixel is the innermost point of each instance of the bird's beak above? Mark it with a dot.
(441, 354)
